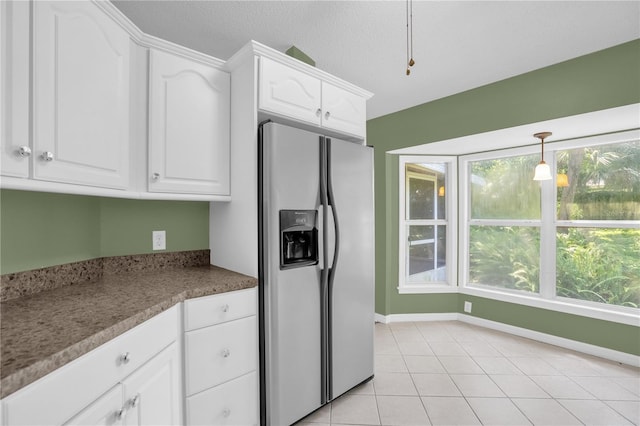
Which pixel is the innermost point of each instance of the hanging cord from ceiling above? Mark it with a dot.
(409, 13)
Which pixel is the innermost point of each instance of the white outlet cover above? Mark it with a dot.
(467, 307)
(159, 240)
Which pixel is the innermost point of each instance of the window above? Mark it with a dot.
(575, 238)
(427, 197)
(504, 232)
(598, 217)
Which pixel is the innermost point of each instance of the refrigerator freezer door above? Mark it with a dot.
(292, 316)
(352, 286)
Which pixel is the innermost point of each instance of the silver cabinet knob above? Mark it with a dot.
(133, 402)
(125, 358)
(225, 353)
(318, 112)
(225, 307)
(155, 176)
(226, 412)
(120, 414)
(24, 151)
(47, 156)
(327, 115)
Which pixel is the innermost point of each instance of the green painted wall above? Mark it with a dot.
(42, 229)
(601, 80)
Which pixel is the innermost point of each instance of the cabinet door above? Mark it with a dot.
(152, 393)
(232, 403)
(80, 95)
(289, 92)
(105, 411)
(14, 88)
(343, 111)
(189, 121)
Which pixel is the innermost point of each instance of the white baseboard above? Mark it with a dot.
(574, 345)
(386, 319)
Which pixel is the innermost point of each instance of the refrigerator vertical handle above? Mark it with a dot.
(334, 214)
(324, 278)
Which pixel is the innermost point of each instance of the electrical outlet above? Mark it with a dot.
(159, 239)
(467, 307)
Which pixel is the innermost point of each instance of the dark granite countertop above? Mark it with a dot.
(44, 331)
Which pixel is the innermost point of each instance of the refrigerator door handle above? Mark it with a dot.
(334, 215)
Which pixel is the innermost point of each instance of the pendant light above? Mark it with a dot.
(543, 171)
(410, 61)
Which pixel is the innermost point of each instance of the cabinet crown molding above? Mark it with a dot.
(254, 48)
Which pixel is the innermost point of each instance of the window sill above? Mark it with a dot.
(427, 289)
(617, 314)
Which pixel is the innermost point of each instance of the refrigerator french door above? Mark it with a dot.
(316, 273)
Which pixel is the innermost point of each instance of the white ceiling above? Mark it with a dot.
(458, 45)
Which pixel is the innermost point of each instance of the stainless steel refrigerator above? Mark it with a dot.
(316, 273)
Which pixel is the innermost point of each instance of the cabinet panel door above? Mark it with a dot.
(105, 411)
(152, 394)
(343, 111)
(232, 403)
(189, 121)
(80, 95)
(14, 88)
(220, 353)
(289, 92)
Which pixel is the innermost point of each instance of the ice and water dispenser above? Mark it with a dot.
(298, 238)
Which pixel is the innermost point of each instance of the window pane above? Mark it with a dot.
(599, 264)
(425, 191)
(427, 251)
(599, 182)
(505, 257)
(504, 188)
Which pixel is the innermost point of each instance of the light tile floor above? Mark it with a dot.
(453, 373)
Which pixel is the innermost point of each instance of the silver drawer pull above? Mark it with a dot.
(327, 115)
(47, 156)
(225, 353)
(318, 112)
(226, 412)
(225, 307)
(125, 358)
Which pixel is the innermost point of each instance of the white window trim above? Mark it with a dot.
(547, 298)
(451, 189)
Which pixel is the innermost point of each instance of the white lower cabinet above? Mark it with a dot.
(232, 403)
(221, 359)
(136, 362)
(136, 378)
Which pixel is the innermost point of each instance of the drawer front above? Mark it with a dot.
(61, 394)
(219, 308)
(217, 354)
(232, 403)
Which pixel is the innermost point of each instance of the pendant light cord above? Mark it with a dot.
(409, 17)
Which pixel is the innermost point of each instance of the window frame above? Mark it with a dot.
(548, 223)
(450, 221)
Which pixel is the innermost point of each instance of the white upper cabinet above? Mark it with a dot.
(14, 89)
(343, 111)
(189, 107)
(80, 95)
(291, 93)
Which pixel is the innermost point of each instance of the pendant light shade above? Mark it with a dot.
(543, 171)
